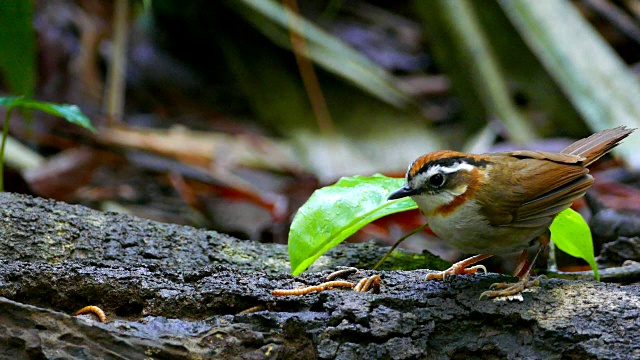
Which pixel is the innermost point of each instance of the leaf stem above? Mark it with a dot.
(393, 247)
(5, 133)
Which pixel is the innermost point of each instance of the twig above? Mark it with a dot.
(393, 247)
(307, 73)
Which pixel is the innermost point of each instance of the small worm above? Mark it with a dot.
(365, 284)
(377, 281)
(252, 309)
(93, 310)
(340, 273)
(358, 287)
(309, 289)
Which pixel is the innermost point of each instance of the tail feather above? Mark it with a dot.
(598, 144)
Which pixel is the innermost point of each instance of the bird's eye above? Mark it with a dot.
(436, 180)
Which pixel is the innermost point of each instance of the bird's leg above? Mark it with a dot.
(525, 282)
(461, 268)
(522, 263)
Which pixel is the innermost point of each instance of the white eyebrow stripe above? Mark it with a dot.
(449, 169)
(421, 177)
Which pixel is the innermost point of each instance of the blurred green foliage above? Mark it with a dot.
(71, 113)
(17, 46)
(497, 54)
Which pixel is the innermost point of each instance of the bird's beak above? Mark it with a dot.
(402, 192)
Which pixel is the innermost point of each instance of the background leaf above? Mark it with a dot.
(17, 46)
(474, 63)
(335, 212)
(71, 113)
(598, 83)
(10, 101)
(571, 234)
(272, 19)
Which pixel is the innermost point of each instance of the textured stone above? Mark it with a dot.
(181, 303)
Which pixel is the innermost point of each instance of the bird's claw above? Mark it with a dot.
(455, 269)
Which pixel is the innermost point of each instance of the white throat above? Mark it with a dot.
(428, 203)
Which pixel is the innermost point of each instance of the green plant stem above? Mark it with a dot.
(5, 133)
(395, 245)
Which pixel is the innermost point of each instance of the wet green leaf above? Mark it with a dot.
(571, 234)
(335, 212)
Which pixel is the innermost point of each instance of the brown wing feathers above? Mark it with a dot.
(556, 200)
(546, 199)
(543, 199)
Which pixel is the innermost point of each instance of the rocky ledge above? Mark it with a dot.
(174, 292)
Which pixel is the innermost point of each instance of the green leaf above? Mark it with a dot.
(572, 235)
(10, 101)
(17, 46)
(71, 113)
(335, 212)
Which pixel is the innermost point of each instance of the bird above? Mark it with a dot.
(500, 203)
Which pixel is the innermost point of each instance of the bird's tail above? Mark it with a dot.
(598, 144)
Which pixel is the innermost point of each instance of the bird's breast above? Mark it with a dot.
(469, 231)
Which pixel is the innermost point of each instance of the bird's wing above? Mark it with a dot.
(530, 201)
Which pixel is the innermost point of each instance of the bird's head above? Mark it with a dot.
(441, 181)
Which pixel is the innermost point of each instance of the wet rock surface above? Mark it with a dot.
(173, 292)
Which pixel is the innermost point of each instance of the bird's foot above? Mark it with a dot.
(455, 270)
